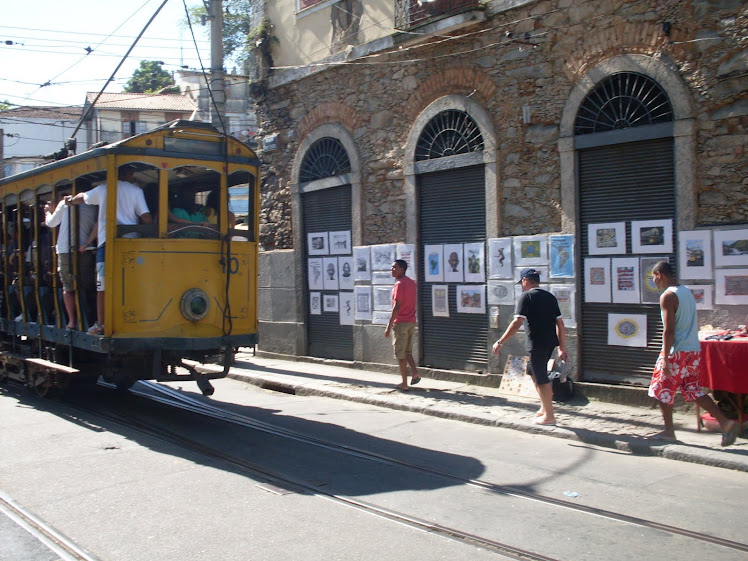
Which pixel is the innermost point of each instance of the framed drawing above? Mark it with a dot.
(652, 236)
(453, 263)
(362, 295)
(650, 294)
(340, 243)
(530, 250)
(625, 280)
(382, 257)
(315, 303)
(471, 299)
(597, 279)
(433, 263)
(382, 277)
(347, 311)
(566, 296)
(382, 298)
(317, 243)
(474, 256)
(406, 252)
(380, 318)
(500, 293)
(440, 300)
(329, 302)
(345, 272)
(732, 286)
(695, 255)
(314, 273)
(500, 258)
(608, 238)
(703, 294)
(731, 248)
(361, 264)
(561, 249)
(627, 330)
(330, 272)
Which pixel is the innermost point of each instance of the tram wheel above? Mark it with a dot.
(124, 385)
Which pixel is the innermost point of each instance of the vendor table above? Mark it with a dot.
(724, 366)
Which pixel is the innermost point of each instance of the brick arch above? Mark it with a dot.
(325, 113)
(452, 81)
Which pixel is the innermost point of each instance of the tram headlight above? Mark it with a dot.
(195, 304)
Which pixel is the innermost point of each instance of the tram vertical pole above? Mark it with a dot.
(218, 84)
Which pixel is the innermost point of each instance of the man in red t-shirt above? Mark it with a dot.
(403, 322)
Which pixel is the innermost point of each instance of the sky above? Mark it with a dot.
(50, 38)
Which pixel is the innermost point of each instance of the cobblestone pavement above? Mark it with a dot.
(593, 422)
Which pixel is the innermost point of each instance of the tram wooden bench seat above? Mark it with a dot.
(42, 364)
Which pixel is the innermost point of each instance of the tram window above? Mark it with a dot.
(192, 209)
(146, 178)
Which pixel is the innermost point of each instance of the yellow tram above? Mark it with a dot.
(178, 292)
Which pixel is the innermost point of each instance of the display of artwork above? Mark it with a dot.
(440, 300)
(500, 258)
(530, 250)
(314, 274)
(627, 330)
(732, 286)
(652, 236)
(340, 243)
(347, 308)
(345, 273)
(433, 263)
(382, 257)
(361, 264)
(362, 296)
(500, 293)
(330, 272)
(625, 280)
(561, 249)
(703, 294)
(453, 263)
(608, 238)
(382, 298)
(471, 299)
(474, 271)
(406, 252)
(317, 243)
(650, 294)
(329, 302)
(731, 248)
(597, 279)
(315, 303)
(695, 253)
(566, 296)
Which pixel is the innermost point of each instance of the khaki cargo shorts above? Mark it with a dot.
(402, 339)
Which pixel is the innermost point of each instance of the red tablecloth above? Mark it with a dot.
(724, 365)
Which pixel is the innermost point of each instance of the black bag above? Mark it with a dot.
(563, 386)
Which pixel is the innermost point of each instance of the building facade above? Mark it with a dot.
(588, 139)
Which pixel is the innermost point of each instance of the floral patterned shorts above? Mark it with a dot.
(685, 366)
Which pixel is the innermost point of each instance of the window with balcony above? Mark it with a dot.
(413, 13)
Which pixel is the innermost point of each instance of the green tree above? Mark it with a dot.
(149, 78)
(237, 22)
(5, 105)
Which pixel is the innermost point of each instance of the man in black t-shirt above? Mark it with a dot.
(545, 332)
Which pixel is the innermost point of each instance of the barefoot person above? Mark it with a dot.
(678, 364)
(546, 331)
(403, 322)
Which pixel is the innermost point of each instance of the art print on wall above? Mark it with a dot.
(562, 256)
(317, 243)
(433, 263)
(382, 257)
(340, 243)
(347, 308)
(315, 303)
(500, 293)
(627, 330)
(695, 255)
(650, 294)
(329, 302)
(731, 248)
(703, 294)
(473, 254)
(315, 273)
(453, 266)
(608, 238)
(361, 264)
(530, 250)
(732, 286)
(597, 279)
(500, 258)
(362, 295)
(382, 298)
(625, 278)
(406, 252)
(652, 236)
(330, 272)
(382, 277)
(380, 318)
(471, 299)
(566, 296)
(345, 273)
(440, 300)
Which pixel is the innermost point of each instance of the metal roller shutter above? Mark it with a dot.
(324, 211)
(621, 183)
(452, 206)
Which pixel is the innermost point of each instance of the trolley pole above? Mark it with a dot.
(218, 85)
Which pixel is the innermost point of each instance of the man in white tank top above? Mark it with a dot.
(678, 365)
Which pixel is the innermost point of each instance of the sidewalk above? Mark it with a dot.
(593, 422)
